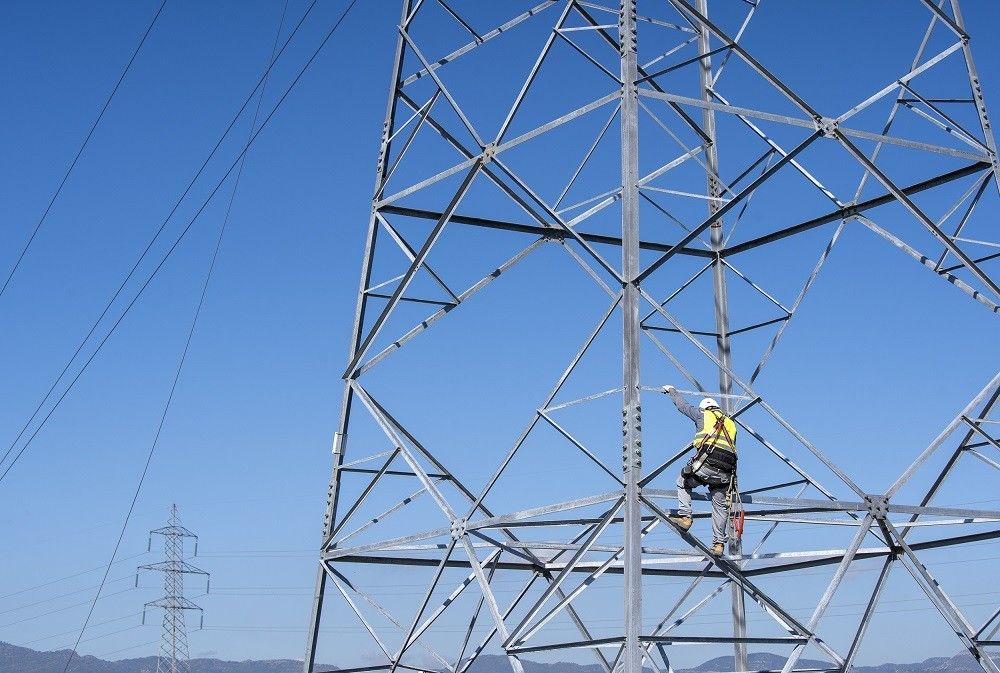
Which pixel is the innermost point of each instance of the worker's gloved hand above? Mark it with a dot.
(668, 389)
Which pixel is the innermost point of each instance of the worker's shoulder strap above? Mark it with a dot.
(720, 425)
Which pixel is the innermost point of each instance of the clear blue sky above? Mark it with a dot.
(245, 450)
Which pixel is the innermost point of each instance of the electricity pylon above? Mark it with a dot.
(517, 131)
(174, 654)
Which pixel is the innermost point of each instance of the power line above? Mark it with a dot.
(131, 615)
(166, 255)
(142, 256)
(126, 649)
(62, 609)
(187, 343)
(45, 668)
(462, 627)
(58, 596)
(79, 152)
(67, 577)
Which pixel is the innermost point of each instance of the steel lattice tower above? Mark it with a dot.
(174, 653)
(703, 141)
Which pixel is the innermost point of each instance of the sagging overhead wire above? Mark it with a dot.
(57, 597)
(61, 609)
(67, 577)
(168, 252)
(152, 241)
(79, 152)
(240, 161)
(113, 620)
(47, 667)
(187, 346)
(156, 235)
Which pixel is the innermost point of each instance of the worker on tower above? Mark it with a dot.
(713, 465)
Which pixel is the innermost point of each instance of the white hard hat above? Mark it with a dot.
(708, 403)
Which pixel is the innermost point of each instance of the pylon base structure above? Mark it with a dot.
(651, 113)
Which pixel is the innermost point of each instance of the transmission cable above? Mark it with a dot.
(237, 160)
(156, 235)
(43, 601)
(79, 152)
(113, 620)
(67, 577)
(241, 160)
(64, 608)
(176, 242)
(145, 252)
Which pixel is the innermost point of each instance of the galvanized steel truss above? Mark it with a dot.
(579, 548)
(174, 654)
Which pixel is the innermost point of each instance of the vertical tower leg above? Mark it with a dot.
(976, 88)
(714, 191)
(632, 411)
(340, 438)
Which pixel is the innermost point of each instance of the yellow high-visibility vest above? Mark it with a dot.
(717, 430)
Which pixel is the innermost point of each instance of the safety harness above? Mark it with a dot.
(724, 460)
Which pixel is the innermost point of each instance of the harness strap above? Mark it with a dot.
(720, 426)
(721, 420)
(706, 454)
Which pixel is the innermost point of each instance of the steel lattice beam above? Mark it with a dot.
(626, 237)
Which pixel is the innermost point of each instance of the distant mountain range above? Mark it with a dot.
(758, 661)
(14, 659)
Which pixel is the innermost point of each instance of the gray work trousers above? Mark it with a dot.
(720, 513)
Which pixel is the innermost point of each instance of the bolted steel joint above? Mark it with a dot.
(459, 528)
(827, 126)
(877, 505)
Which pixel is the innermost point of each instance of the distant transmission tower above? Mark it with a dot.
(174, 654)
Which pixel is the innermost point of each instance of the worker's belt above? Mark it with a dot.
(721, 459)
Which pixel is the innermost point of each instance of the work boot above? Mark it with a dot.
(682, 522)
(717, 549)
